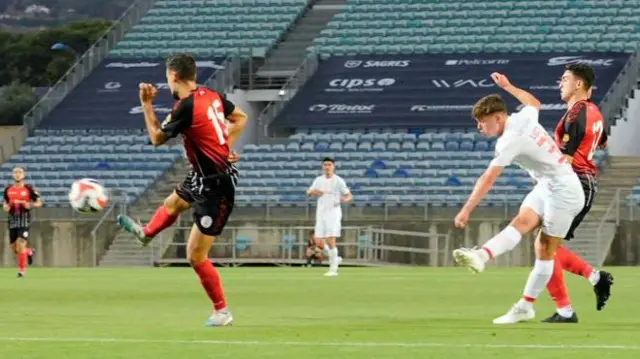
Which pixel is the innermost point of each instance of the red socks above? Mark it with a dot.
(212, 284)
(573, 263)
(22, 262)
(557, 287)
(161, 219)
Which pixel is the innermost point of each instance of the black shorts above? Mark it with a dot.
(16, 233)
(212, 199)
(590, 188)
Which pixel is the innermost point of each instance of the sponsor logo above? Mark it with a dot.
(352, 64)
(566, 60)
(138, 110)
(566, 138)
(462, 83)
(342, 108)
(132, 65)
(548, 107)
(476, 62)
(359, 85)
(428, 108)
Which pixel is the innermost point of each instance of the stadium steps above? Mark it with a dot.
(125, 250)
(596, 233)
(291, 51)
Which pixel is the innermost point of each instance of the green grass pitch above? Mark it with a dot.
(284, 313)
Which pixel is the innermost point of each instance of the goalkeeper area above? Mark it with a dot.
(295, 312)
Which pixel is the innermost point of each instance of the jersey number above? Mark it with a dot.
(215, 114)
(597, 134)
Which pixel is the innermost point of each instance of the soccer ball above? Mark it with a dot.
(88, 195)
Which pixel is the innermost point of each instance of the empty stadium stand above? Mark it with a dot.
(54, 158)
(409, 26)
(383, 167)
(209, 29)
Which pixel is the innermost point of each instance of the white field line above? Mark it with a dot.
(323, 344)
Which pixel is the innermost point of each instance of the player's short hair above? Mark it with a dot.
(311, 233)
(489, 105)
(329, 159)
(18, 168)
(184, 65)
(583, 72)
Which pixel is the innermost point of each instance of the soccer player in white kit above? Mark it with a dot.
(554, 201)
(331, 191)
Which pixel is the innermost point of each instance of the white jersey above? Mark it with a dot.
(526, 143)
(329, 203)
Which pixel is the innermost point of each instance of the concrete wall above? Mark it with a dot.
(625, 133)
(60, 243)
(252, 109)
(10, 141)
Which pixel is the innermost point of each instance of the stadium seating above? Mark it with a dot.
(411, 26)
(53, 159)
(393, 167)
(209, 29)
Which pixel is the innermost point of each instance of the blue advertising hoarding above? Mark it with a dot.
(108, 97)
(433, 90)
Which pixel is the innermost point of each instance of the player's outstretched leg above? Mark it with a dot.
(539, 277)
(505, 241)
(601, 280)
(164, 217)
(198, 255)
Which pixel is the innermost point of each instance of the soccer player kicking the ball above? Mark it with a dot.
(553, 203)
(19, 198)
(331, 191)
(199, 116)
(580, 131)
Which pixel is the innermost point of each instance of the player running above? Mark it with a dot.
(199, 116)
(331, 191)
(580, 131)
(19, 198)
(553, 203)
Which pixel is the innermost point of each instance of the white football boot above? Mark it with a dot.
(469, 258)
(515, 315)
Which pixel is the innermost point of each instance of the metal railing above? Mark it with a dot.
(288, 90)
(615, 98)
(363, 246)
(119, 206)
(83, 66)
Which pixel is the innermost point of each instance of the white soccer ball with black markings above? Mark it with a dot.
(88, 196)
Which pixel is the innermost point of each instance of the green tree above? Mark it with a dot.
(28, 58)
(15, 100)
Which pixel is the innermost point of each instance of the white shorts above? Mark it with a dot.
(328, 227)
(557, 208)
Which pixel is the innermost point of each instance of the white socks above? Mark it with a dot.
(538, 279)
(594, 278)
(333, 259)
(503, 242)
(566, 312)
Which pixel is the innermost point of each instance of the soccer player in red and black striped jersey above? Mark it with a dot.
(199, 115)
(19, 198)
(578, 134)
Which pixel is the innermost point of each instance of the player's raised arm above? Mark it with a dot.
(147, 92)
(523, 96)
